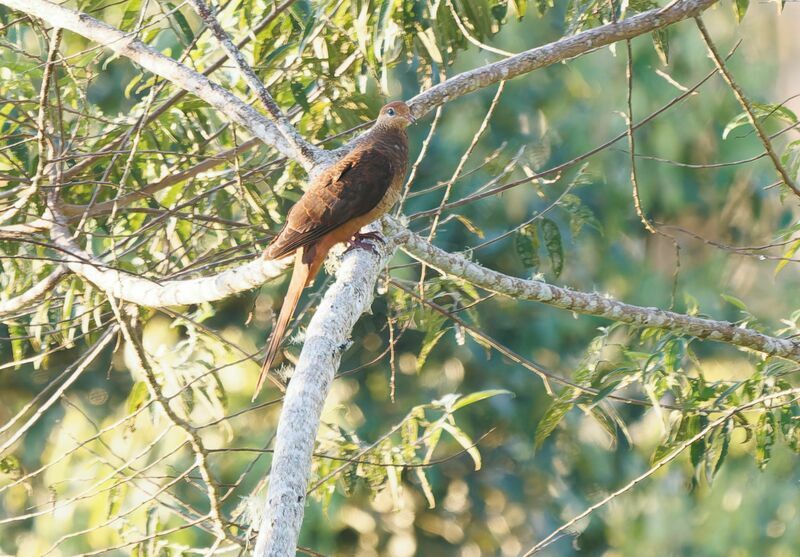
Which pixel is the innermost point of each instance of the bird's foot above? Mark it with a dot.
(362, 240)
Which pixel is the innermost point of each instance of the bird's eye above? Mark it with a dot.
(390, 112)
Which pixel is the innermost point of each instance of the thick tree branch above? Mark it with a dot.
(149, 293)
(327, 335)
(589, 303)
(558, 51)
(126, 44)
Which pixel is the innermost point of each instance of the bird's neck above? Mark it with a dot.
(393, 134)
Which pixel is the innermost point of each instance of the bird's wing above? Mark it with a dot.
(349, 189)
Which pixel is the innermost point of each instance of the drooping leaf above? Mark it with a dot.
(661, 44)
(765, 438)
(526, 243)
(553, 416)
(740, 8)
(465, 441)
(552, 243)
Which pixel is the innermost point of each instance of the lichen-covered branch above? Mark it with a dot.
(128, 45)
(558, 51)
(590, 303)
(327, 335)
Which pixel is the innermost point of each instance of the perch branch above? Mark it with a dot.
(327, 335)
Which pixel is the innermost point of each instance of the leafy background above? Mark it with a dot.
(509, 461)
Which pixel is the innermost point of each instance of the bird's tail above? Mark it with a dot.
(300, 277)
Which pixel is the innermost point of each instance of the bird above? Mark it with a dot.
(353, 192)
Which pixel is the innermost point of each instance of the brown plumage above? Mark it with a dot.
(350, 194)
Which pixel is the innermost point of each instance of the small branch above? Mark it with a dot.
(148, 293)
(304, 152)
(739, 94)
(558, 51)
(589, 303)
(327, 335)
(128, 45)
(106, 207)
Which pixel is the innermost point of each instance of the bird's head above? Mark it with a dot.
(396, 114)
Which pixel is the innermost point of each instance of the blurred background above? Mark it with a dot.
(96, 496)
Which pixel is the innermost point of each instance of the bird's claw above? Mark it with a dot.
(362, 240)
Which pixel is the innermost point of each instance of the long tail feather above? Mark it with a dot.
(300, 276)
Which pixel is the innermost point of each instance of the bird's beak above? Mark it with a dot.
(411, 118)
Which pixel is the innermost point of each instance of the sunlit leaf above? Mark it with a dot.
(472, 398)
(464, 440)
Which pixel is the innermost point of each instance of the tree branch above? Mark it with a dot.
(126, 44)
(304, 152)
(327, 335)
(589, 303)
(558, 51)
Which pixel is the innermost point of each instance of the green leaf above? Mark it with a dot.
(605, 391)
(17, 335)
(765, 438)
(526, 243)
(432, 338)
(116, 495)
(180, 19)
(478, 396)
(762, 112)
(299, 94)
(555, 413)
(740, 8)
(10, 466)
(553, 245)
(787, 255)
(661, 44)
(606, 423)
(469, 225)
(137, 397)
(734, 301)
(790, 159)
(718, 450)
(131, 14)
(520, 6)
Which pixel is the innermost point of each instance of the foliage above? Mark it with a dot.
(615, 400)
